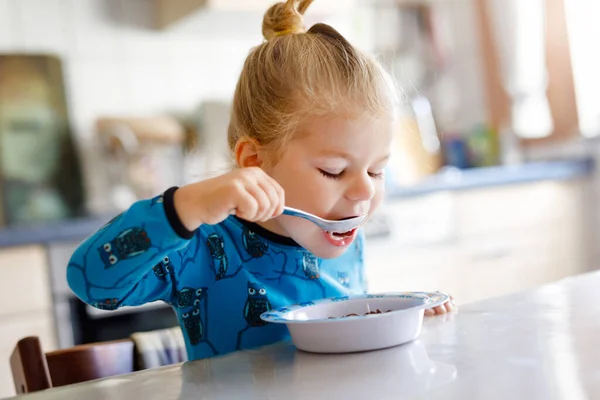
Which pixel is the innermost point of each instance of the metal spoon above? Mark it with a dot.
(339, 226)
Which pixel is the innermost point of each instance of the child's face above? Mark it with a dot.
(332, 168)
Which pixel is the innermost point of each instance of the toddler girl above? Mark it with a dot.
(311, 128)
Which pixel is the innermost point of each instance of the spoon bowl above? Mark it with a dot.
(339, 226)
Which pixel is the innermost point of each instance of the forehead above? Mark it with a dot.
(336, 133)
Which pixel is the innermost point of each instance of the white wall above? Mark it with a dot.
(116, 63)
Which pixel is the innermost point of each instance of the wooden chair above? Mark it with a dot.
(34, 371)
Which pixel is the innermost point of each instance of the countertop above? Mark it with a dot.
(538, 344)
(52, 232)
(452, 179)
(474, 178)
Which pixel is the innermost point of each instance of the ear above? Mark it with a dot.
(247, 153)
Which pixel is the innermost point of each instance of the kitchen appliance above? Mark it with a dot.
(40, 176)
(90, 325)
(142, 156)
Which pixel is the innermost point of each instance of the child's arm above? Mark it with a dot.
(121, 263)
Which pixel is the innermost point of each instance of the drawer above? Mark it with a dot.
(497, 265)
(570, 252)
(516, 207)
(25, 285)
(12, 329)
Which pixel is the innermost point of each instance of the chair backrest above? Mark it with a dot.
(34, 371)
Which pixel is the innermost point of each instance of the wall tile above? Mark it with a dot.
(7, 15)
(44, 26)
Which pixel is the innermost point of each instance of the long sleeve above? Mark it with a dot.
(134, 258)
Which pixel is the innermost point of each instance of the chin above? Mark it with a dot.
(326, 253)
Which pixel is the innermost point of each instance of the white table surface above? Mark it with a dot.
(539, 344)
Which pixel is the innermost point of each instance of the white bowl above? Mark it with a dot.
(323, 326)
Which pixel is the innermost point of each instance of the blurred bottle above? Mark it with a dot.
(417, 150)
(456, 153)
(484, 147)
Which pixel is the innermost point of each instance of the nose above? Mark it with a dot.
(361, 188)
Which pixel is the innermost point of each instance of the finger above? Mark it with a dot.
(429, 312)
(269, 188)
(450, 306)
(279, 196)
(262, 198)
(266, 184)
(247, 206)
(440, 309)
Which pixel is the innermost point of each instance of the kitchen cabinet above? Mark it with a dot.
(25, 306)
(26, 285)
(481, 243)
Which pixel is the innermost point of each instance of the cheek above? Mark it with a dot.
(305, 190)
(379, 195)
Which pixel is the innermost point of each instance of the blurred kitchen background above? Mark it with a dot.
(492, 187)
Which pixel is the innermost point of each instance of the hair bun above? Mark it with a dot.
(285, 18)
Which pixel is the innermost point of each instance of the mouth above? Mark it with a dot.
(340, 239)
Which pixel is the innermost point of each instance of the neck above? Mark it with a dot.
(270, 231)
(274, 226)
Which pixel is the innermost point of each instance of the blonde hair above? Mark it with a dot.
(296, 74)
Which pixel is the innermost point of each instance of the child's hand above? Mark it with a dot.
(249, 193)
(442, 309)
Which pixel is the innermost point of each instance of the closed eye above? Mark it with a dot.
(376, 175)
(330, 175)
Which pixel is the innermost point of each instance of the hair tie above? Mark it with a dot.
(287, 32)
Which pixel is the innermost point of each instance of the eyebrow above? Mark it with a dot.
(335, 154)
(382, 159)
(341, 154)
